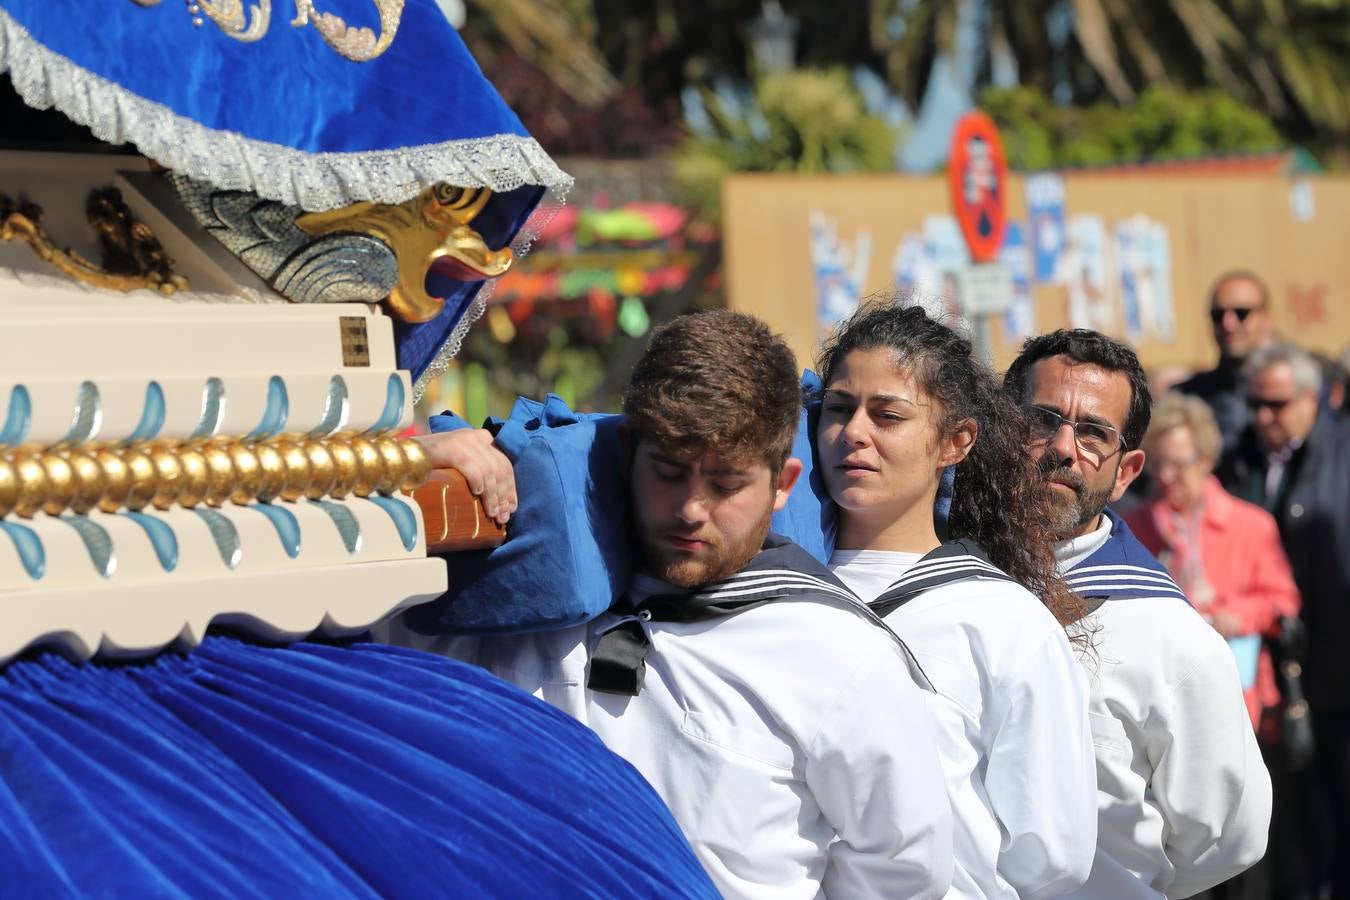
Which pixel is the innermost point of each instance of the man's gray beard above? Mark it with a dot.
(1071, 515)
(1068, 516)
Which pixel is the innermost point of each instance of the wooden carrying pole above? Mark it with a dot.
(453, 517)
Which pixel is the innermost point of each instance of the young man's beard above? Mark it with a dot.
(718, 561)
(1068, 516)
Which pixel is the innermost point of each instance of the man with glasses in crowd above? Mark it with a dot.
(1294, 460)
(1183, 795)
(1239, 310)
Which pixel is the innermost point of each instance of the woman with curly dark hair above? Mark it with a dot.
(984, 613)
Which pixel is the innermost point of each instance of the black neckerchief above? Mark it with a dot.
(780, 570)
(949, 563)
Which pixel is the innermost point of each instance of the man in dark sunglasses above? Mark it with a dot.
(1239, 312)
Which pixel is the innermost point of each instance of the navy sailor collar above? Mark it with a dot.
(949, 563)
(1121, 569)
(781, 570)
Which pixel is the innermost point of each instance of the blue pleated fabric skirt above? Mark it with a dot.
(315, 770)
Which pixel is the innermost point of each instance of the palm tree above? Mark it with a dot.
(1303, 51)
(908, 34)
(556, 36)
(1288, 58)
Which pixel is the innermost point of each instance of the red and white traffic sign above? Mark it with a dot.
(978, 176)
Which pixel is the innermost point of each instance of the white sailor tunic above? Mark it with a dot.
(758, 720)
(1010, 709)
(1183, 795)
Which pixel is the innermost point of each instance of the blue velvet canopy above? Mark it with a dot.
(313, 770)
(316, 103)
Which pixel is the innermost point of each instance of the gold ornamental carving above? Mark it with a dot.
(213, 472)
(132, 256)
(431, 228)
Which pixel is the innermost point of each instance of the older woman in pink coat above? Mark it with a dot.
(1224, 552)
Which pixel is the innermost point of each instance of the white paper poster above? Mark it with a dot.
(1045, 222)
(947, 255)
(1019, 320)
(839, 268)
(1085, 270)
(924, 267)
(1302, 203)
(1144, 260)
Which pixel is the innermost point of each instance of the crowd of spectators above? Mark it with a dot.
(1248, 504)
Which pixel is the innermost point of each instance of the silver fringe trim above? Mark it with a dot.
(313, 181)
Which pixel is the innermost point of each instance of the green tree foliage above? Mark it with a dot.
(1289, 59)
(541, 53)
(553, 358)
(803, 120)
(1163, 123)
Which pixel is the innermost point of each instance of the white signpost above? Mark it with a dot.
(984, 289)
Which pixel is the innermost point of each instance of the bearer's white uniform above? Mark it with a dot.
(790, 741)
(1184, 797)
(1010, 708)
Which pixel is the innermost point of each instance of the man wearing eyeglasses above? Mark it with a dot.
(1294, 460)
(1239, 311)
(1183, 795)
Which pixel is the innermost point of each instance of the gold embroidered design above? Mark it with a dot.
(229, 17)
(355, 43)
